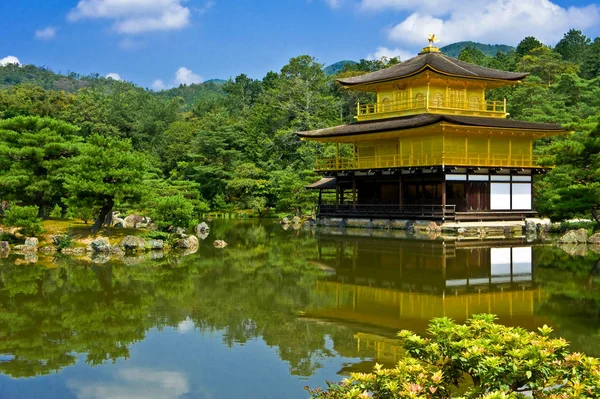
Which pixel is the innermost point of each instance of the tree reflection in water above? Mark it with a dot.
(311, 295)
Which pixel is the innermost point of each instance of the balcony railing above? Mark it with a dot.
(386, 109)
(389, 211)
(396, 161)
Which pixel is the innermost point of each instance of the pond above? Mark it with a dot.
(274, 311)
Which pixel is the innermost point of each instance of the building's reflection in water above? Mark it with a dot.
(383, 286)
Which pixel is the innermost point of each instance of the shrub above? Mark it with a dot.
(24, 217)
(499, 361)
(10, 238)
(174, 211)
(62, 241)
(157, 235)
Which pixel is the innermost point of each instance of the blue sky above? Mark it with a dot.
(161, 43)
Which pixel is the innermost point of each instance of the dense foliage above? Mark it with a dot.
(25, 219)
(500, 361)
(229, 146)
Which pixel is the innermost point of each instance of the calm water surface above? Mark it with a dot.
(274, 311)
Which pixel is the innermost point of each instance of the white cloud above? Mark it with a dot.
(114, 76)
(390, 53)
(135, 16)
(134, 383)
(11, 59)
(186, 326)
(158, 85)
(46, 33)
(495, 21)
(184, 76)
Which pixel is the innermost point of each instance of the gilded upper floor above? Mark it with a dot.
(433, 83)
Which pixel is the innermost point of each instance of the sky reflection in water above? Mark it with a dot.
(274, 311)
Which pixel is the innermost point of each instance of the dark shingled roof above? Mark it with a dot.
(435, 61)
(409, 122)
(326, 183)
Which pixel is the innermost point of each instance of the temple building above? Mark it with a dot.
(432, 146)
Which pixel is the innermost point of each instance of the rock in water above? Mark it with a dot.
(285, 221)
(133, 244)
(155, 245)
(530, 227)
(296, 220)
(220, 244)
(433, 227)
(31, 242)
(574, 237)
(190, 243)
(202, 228)
(4, 249)
(99, 245)
(594, 239)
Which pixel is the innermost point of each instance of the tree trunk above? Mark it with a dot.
(39, 201)
(105, 210)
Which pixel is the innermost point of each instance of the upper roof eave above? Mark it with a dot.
(437, 62)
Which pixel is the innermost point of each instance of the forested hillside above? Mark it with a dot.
(90, 144)
(454, 49)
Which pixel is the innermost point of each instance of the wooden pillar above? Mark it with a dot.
(337, 196)
(444, 196)
(354, 191)
(341, 196)
(337, 156)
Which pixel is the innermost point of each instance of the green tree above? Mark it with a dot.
(526, 45)
(173, 211)
(33, 151)
(590, 67)
(249, 186)
(107, 171)
(473, 55)
(546, 64)
(573, 46)
(25, 218)
(242, 93)
(572, 188)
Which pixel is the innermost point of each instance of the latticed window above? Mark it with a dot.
(438, 100)
(474, 103)
(420, 100)
(386, 105)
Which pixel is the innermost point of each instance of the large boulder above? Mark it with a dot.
(190, 243)
(133, 244)
(574, 237)
(132, 221)
(433, 227)
(296, 220)
(202, 228)
(178, 232)
(4, 249)
(118, 222)
(285, 221)
(530, 227)
(99, 245)
(155, 245)
(594, 239)
(31, 242)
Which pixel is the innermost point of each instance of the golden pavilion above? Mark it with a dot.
(432, 146)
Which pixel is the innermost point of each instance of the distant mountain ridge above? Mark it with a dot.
(338, 67)
(454, 49)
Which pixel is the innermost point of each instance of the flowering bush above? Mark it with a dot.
(498, 362)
